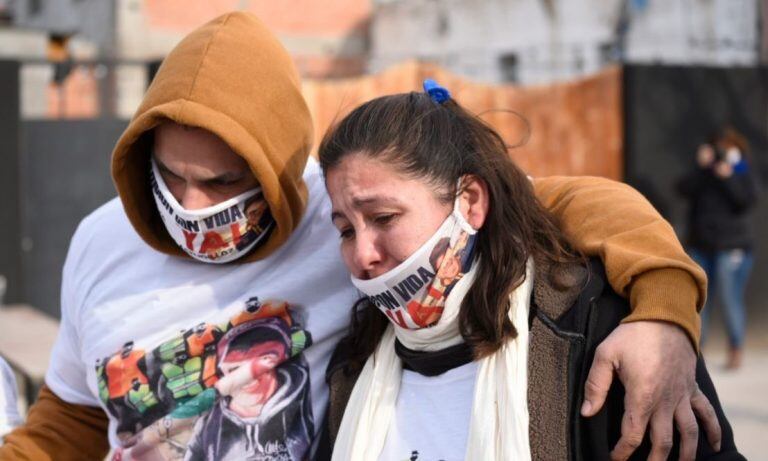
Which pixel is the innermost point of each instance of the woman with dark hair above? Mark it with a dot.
(499, 370)
(722, 190)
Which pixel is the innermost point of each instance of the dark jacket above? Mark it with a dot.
(719, 211)
(572, 310)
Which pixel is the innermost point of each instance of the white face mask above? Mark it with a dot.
(217, 234)
(413, 294)
(733, 156)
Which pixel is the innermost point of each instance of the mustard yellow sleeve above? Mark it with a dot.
(643, 259)
(57, 430)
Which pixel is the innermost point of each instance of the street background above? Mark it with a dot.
(742, 392)
(625, 89)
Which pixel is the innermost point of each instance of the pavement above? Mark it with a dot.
(743, 393)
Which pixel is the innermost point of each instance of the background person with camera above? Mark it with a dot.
(722, 190)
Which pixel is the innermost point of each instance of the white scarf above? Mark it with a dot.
(498, 427)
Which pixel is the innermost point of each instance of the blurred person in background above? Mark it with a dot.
(9, 413)
(722, 190)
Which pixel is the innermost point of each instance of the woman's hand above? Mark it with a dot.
(657, 366)
(723, 170)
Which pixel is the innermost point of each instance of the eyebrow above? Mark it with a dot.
(161, 166)
(362, 202)
(335, 215)
(224, 177)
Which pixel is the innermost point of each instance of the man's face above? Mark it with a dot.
(382, 216)
(200, 169)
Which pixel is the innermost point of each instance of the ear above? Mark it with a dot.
(474, 200)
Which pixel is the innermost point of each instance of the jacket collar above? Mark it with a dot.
(562, 298)
(556, 286)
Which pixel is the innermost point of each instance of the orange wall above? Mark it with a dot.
(575, 127)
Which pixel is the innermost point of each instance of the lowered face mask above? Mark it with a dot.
(413, 294)
(217, 234)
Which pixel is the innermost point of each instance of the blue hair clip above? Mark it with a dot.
(436, 92)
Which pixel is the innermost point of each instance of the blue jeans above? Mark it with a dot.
(728, 272)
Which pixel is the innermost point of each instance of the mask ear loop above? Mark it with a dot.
(457, 211)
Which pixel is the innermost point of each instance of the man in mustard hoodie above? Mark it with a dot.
(158, 281)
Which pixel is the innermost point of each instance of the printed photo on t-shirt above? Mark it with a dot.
(235, 390)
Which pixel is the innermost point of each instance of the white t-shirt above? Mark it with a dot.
(432, 414)
(193, 360)
(9, 413)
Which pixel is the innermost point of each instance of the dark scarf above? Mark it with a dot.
(433, 363)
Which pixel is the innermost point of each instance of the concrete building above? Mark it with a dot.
(82, 21)
(119, 37)
(537, 41)
(523, 41)
(328, 39)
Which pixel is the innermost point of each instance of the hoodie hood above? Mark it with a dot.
(231, 77)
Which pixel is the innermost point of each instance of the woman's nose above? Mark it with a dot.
(367, 256)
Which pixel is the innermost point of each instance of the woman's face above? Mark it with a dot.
(382, 216)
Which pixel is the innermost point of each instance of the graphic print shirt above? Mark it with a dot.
(198, 361)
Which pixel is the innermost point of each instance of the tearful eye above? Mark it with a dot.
(225, 182)
(173, 179)
(346, 233)
(384, 219)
